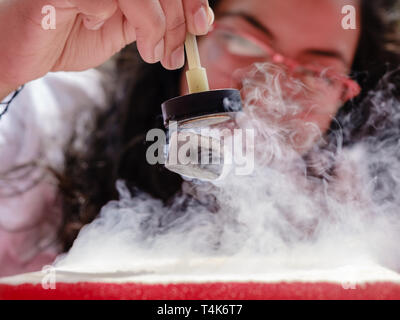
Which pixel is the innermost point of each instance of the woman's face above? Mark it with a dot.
(307, 31)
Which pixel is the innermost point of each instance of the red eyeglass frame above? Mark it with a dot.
(352, 88)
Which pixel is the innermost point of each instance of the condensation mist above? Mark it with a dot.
(334, 204)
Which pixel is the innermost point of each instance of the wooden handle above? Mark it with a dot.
(196, 76)
(192, 52)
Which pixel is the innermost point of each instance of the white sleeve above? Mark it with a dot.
(43, 116)
(38, 124)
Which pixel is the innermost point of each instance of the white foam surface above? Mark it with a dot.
(173, 272)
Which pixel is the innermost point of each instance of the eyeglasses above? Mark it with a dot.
(242, 48)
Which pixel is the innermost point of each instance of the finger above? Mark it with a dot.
(199, 16)
(148, 19)
(174, 57)
(95, 12)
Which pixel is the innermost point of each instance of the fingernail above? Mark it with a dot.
(178, 58)
(159, 51)
(201, 21)
(211, 16)
(93, 23)
(97, 26)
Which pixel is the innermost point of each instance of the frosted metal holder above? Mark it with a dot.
(194, 151)
(193, 115)
(202, 108)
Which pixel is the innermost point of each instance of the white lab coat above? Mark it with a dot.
(37, 127)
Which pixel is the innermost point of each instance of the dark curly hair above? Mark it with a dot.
(117, 147)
